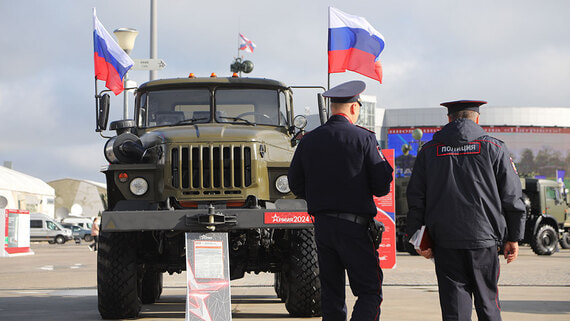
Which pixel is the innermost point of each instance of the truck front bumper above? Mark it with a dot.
(209, 219)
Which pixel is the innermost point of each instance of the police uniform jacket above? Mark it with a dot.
(465, 189)
(338, 167)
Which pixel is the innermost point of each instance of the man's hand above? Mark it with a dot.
(511, 251)
(428, 254)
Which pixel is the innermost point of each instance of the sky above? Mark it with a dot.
(507, 52)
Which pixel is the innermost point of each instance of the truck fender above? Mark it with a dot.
(544, 219)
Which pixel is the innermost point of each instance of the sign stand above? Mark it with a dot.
(208, 295)
(15, 233)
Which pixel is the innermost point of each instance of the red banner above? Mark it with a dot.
(387, 214)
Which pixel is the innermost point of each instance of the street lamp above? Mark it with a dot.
(126, 39)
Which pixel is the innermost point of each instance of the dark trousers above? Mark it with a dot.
(95, 241)
(464, 274)
(344, 245)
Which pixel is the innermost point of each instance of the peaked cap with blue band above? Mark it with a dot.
(347, 92)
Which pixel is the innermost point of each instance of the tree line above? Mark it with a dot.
(545, 162)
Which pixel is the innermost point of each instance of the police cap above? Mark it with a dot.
(455, 106)
(347, 92)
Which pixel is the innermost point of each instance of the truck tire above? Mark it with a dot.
(151, 287)
(117, 276)
(545, 241)
(565, 240)
(88, 238)
(279, 286)
(303, 290)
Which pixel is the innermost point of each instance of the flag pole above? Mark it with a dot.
(96, 105)
(328, 40)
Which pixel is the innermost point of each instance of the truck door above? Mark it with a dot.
(553, 204)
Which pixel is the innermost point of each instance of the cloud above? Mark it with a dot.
(511, 53)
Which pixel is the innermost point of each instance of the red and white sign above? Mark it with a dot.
(287, 218)
(16, 232)
(386, 208)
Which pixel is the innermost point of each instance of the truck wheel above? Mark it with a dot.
(545, 241)
(279, 286)
(117, 276)
(88, 238)
(303, 290)
(151, 287)
(60, 239)
(565, 240)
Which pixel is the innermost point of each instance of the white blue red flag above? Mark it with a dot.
(245, 44)
(111, 62)
(354, 45)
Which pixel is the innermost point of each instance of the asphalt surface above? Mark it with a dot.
(59, 282)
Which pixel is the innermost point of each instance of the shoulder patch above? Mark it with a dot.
(382, 155)
(368, 130)
(468, 149)
(513, 164)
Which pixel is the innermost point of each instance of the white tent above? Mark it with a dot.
(78, 198)
(24, 192)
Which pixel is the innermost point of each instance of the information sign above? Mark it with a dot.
(16, 232)
(208, 277)
(149, 64)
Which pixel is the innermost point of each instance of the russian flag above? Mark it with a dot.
(354, 45)
(111, 62)
(245, 44)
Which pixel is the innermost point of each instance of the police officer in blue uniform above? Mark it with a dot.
(337, 168)
(465, 189)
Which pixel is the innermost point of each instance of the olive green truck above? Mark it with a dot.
(547, 209)
(200, 155)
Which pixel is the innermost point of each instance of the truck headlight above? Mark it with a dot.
(138, 186)
(282, 184)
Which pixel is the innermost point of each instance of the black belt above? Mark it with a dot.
(359, 219)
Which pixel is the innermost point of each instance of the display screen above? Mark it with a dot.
(536, 151)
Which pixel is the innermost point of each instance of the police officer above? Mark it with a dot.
(337, 168)
(465, 189)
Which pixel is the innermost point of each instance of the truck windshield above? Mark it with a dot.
(252, 106)
(192, 106)
(173, 107)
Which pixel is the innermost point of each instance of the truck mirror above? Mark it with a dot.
(300, 121)
(103, 112)
(322, 108)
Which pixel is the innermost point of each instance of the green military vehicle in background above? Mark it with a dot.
(204, 154)
(547, 221)
(547, 215)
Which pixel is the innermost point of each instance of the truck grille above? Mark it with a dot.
(218, 169)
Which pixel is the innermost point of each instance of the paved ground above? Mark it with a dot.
(59, 283)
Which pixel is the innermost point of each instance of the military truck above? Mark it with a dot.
(547, 221)
(203, 154)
